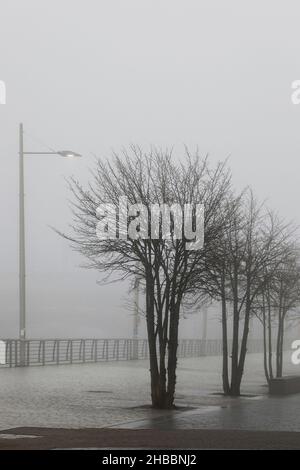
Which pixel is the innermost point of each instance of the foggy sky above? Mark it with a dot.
(98, 75)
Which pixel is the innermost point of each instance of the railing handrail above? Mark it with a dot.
(46, 351)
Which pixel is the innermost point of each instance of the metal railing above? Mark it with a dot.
(77, 351)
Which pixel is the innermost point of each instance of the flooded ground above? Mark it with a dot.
(117, 394)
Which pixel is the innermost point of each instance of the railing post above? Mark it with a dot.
(71, 351)
(54, 349)
(22, 353)
(57, 352)
(145, 349)
(28, 352)
(135, 349)
(83, 350)
(118, 349)
(16, 353)
(67, 351)
(10, 354)
(106, 349)
(43, 352)
(96, 350)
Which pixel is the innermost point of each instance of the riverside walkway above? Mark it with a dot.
(117, 394)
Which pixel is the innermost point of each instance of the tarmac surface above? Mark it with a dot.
(108, 405)
(49, 438)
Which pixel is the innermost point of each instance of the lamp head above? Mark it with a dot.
(68, 153)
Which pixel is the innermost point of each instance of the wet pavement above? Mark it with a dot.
(266, 414)
(117, 395)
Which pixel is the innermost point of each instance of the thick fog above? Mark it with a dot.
(94, 76)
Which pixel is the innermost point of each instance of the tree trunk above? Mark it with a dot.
(150, 318)
(225, 377)
(270, 348)
(172, 353)
(279, 352)
(243, 345)
(162, 372)
(235, 384)
(278, 347)
(265, 344)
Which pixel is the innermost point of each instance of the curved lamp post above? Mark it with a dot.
(22, 258)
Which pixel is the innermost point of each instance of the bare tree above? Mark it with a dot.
(235, 274)
(280, 298)
(165, 266)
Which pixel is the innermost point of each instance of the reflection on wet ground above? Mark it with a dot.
(115, 395)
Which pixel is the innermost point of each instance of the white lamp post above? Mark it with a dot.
(22, 258)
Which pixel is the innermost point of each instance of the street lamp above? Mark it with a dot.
(22, 265)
